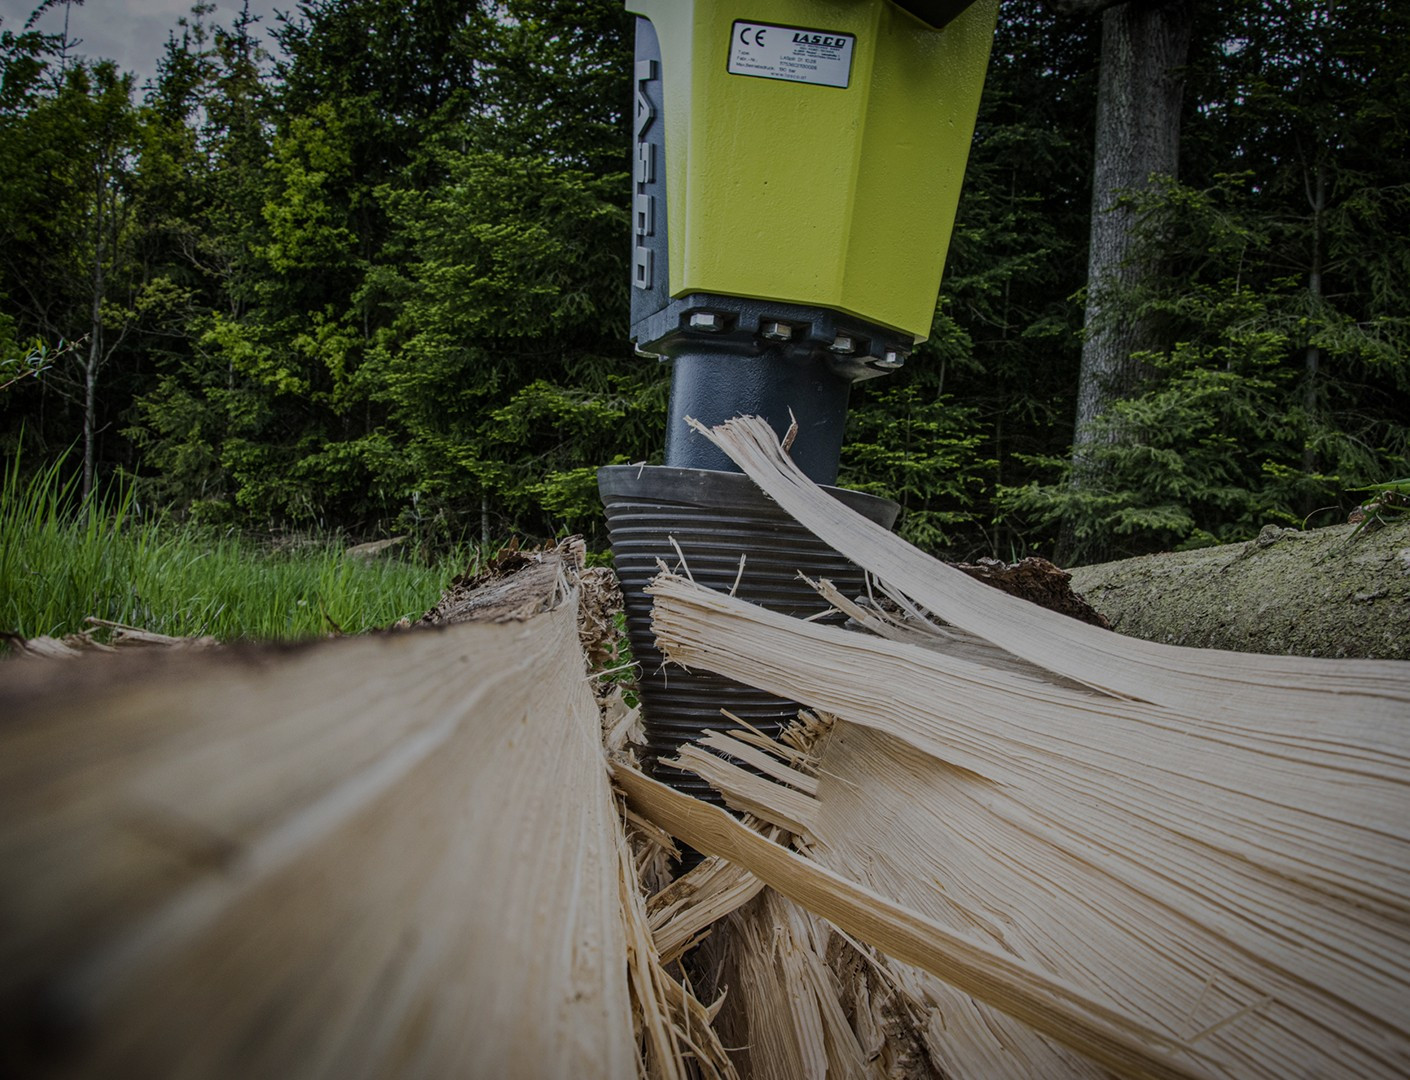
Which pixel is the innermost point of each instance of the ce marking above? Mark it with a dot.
(756, 32)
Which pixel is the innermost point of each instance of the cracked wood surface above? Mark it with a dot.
(376, 856)
(1213, 846)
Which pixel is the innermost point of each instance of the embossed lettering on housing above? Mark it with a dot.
(643, 203)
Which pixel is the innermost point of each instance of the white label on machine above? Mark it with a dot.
(791, 53)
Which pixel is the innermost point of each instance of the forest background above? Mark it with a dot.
(366, 271)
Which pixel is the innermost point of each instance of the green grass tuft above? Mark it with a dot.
(62, 561)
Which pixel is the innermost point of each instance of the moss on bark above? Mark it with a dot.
(1325, 592)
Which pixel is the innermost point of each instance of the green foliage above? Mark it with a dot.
(378, 281)
(1197, 460)
(1388, 501)
(429, 324)
(921, 449)
(63, 560)
(1284, 290)
(29, 363)
(1228, 435)
(22, 66)
(496, 370)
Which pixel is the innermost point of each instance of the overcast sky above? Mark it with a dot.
(132, 32)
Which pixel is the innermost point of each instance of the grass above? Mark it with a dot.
(61, 562)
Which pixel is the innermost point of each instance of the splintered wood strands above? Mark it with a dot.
(928, 1025)
(1240, 890)
(671, 1022)
(906, 1021)
(373, 857)
(784, 1010)
(1049, 1004)
(808, 1003)
(1261, 689)
(1278, 871)
(682, 914)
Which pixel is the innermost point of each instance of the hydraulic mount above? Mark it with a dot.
(797, 164)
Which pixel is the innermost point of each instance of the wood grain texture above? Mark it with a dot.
(1215, 846)
(1049, 1004)
(902, 1022)
(1184, 870)
(1276, 691)
(385, 856)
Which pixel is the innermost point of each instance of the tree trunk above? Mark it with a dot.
(1144, 49)
(1317, 200)
(379, 856)
(95, 343)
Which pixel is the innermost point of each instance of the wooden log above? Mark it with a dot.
(1334, 592)
(1211, 845)
(1128, 667)
(379, 856)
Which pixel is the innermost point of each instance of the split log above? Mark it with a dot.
(1194, 863)
(1339, 591)
(1049, 1004)
(379, 856)
(808, 1000)
(1127, 667)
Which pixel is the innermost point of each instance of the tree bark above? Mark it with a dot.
(1325, 592)
(95, 340)
(1317, 201)
(1145, 46)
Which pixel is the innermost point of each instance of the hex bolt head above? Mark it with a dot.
(709, 321)
(843, 345)
(891, 361)
(776, 331)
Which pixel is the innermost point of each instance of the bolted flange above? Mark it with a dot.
(710, 321)
(890, 360)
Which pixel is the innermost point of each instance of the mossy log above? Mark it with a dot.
(1333, 592)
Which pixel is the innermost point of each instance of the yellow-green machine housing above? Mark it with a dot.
(797, 164)
(838, 197)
